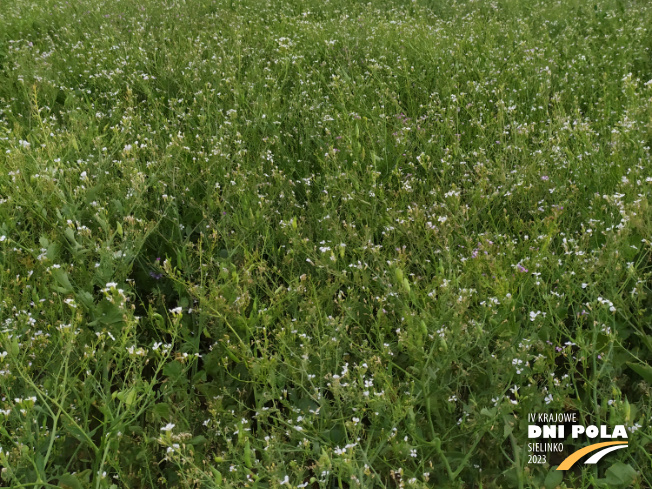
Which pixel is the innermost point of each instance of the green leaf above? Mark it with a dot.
(620, 474)
(511, 478)
(128, 397)
(508, 427)
(70, 234)
(39, 461)
(69, 481)
(646, 340)
(199, 377)
(107, 314)
(14, 348)
(85, 299)
(554, 478)
(209, 389)
(162, 409)
(643, 370)
(52, 252)
(218, 476)
(488, 412)
(77, 433)
(173, 370)
(337, 434)
(62, 279)
(198, 440)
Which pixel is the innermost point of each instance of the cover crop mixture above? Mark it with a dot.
(322, 244)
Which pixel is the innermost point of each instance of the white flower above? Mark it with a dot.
(168, 427)
(533, 315)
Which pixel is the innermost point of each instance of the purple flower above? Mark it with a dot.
(521, 268)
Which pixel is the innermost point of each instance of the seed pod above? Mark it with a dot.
(217, 475)
(399, 274)
(406, 284)
(424, 328)
(231, 355)
(247, 454)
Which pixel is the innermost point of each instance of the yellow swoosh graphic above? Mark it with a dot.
(575, 456)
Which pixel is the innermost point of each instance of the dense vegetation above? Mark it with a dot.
(322, 244)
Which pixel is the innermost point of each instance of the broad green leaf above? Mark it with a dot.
(553, 478)
(62, 279)
(107, 314)
(620, 475)
(162, 409)
(643, 370)
(173, 370)
(69, 481)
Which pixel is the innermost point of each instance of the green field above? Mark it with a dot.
(323, 244)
